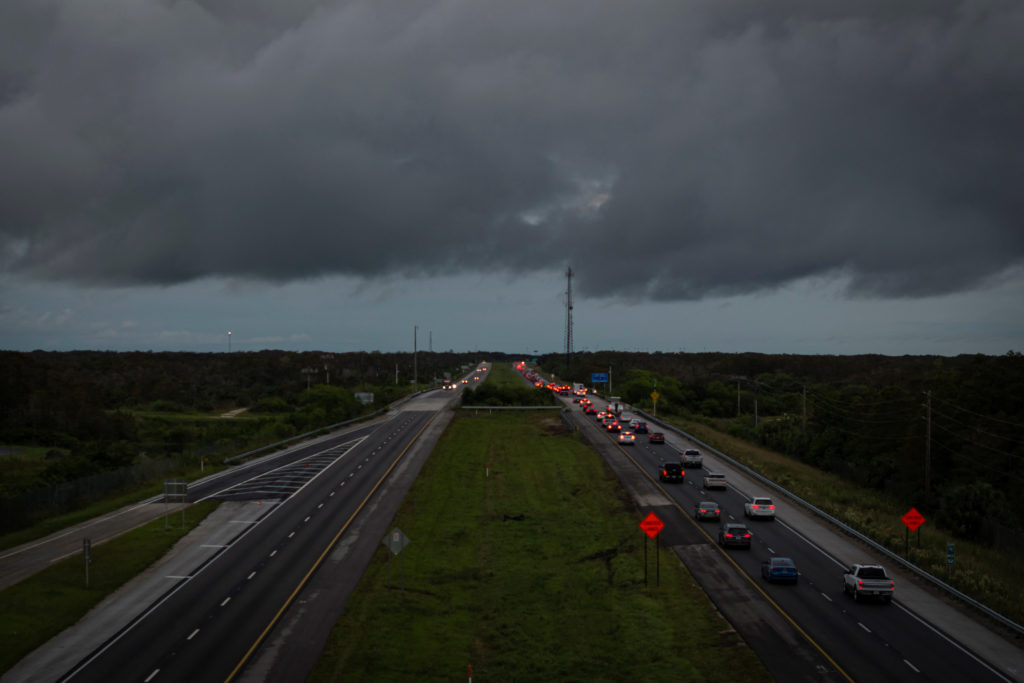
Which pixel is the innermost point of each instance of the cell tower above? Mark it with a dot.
(568, 322)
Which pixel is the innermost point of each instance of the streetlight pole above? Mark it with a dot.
(229, 341)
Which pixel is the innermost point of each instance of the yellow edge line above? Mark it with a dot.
(319, 561)
(735, 564)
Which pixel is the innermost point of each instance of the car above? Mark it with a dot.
(626, 418)
(734, 535)
(779, 569)
(476, 378)
(692, 458)
(760, 507)
(465, 381)
(590, 410)
(613, 426)
(671, 470)
(707, 509)
(627, 439)
(656, 437)
(715, 480)
(602, 415)
(640, 428)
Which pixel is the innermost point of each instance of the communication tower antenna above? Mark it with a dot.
(568, 321)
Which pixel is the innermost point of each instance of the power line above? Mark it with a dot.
(986, 417)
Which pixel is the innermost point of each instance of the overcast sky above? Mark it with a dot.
(784, 177)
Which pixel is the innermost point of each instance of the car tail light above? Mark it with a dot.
(771, 507)
(717, 511)
(860, 584)
(754, 507)
(728, 535)
(892, 585)
(664, 472)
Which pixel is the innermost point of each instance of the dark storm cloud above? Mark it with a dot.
(667, 150)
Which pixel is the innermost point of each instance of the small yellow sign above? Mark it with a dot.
(654, 396)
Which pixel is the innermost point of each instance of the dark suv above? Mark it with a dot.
(671, 470)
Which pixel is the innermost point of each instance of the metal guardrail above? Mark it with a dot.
(1006, 621)
(511, 407)
(299, 437)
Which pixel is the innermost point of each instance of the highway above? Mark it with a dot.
(868, 641)
(210, 623)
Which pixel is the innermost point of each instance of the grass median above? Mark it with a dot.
(525, 562)
(46, 603)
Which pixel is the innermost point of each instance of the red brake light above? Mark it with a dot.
(728, 535)
(771, 507)
(746, 535)
(754, 507)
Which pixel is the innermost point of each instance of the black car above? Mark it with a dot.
(736, 535)
(641, 428)
(671, 470)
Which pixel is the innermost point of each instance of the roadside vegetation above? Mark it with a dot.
(525, 562)
(50, 601)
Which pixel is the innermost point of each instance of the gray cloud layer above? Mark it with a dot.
(667, 150)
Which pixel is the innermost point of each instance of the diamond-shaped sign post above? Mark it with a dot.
(913, 521)
(395, 542)
(652, 526)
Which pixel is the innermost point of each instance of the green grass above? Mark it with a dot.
(46, 603)
(503, 375)
(985, 574)
(557, 596)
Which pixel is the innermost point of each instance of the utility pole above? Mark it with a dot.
(415, 374)
(928, 450)
(609, 380)
(568, 324)
(805, 410)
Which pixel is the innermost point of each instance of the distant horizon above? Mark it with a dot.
(527, 355)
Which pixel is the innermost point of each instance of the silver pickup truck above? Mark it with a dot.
(868, 580)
